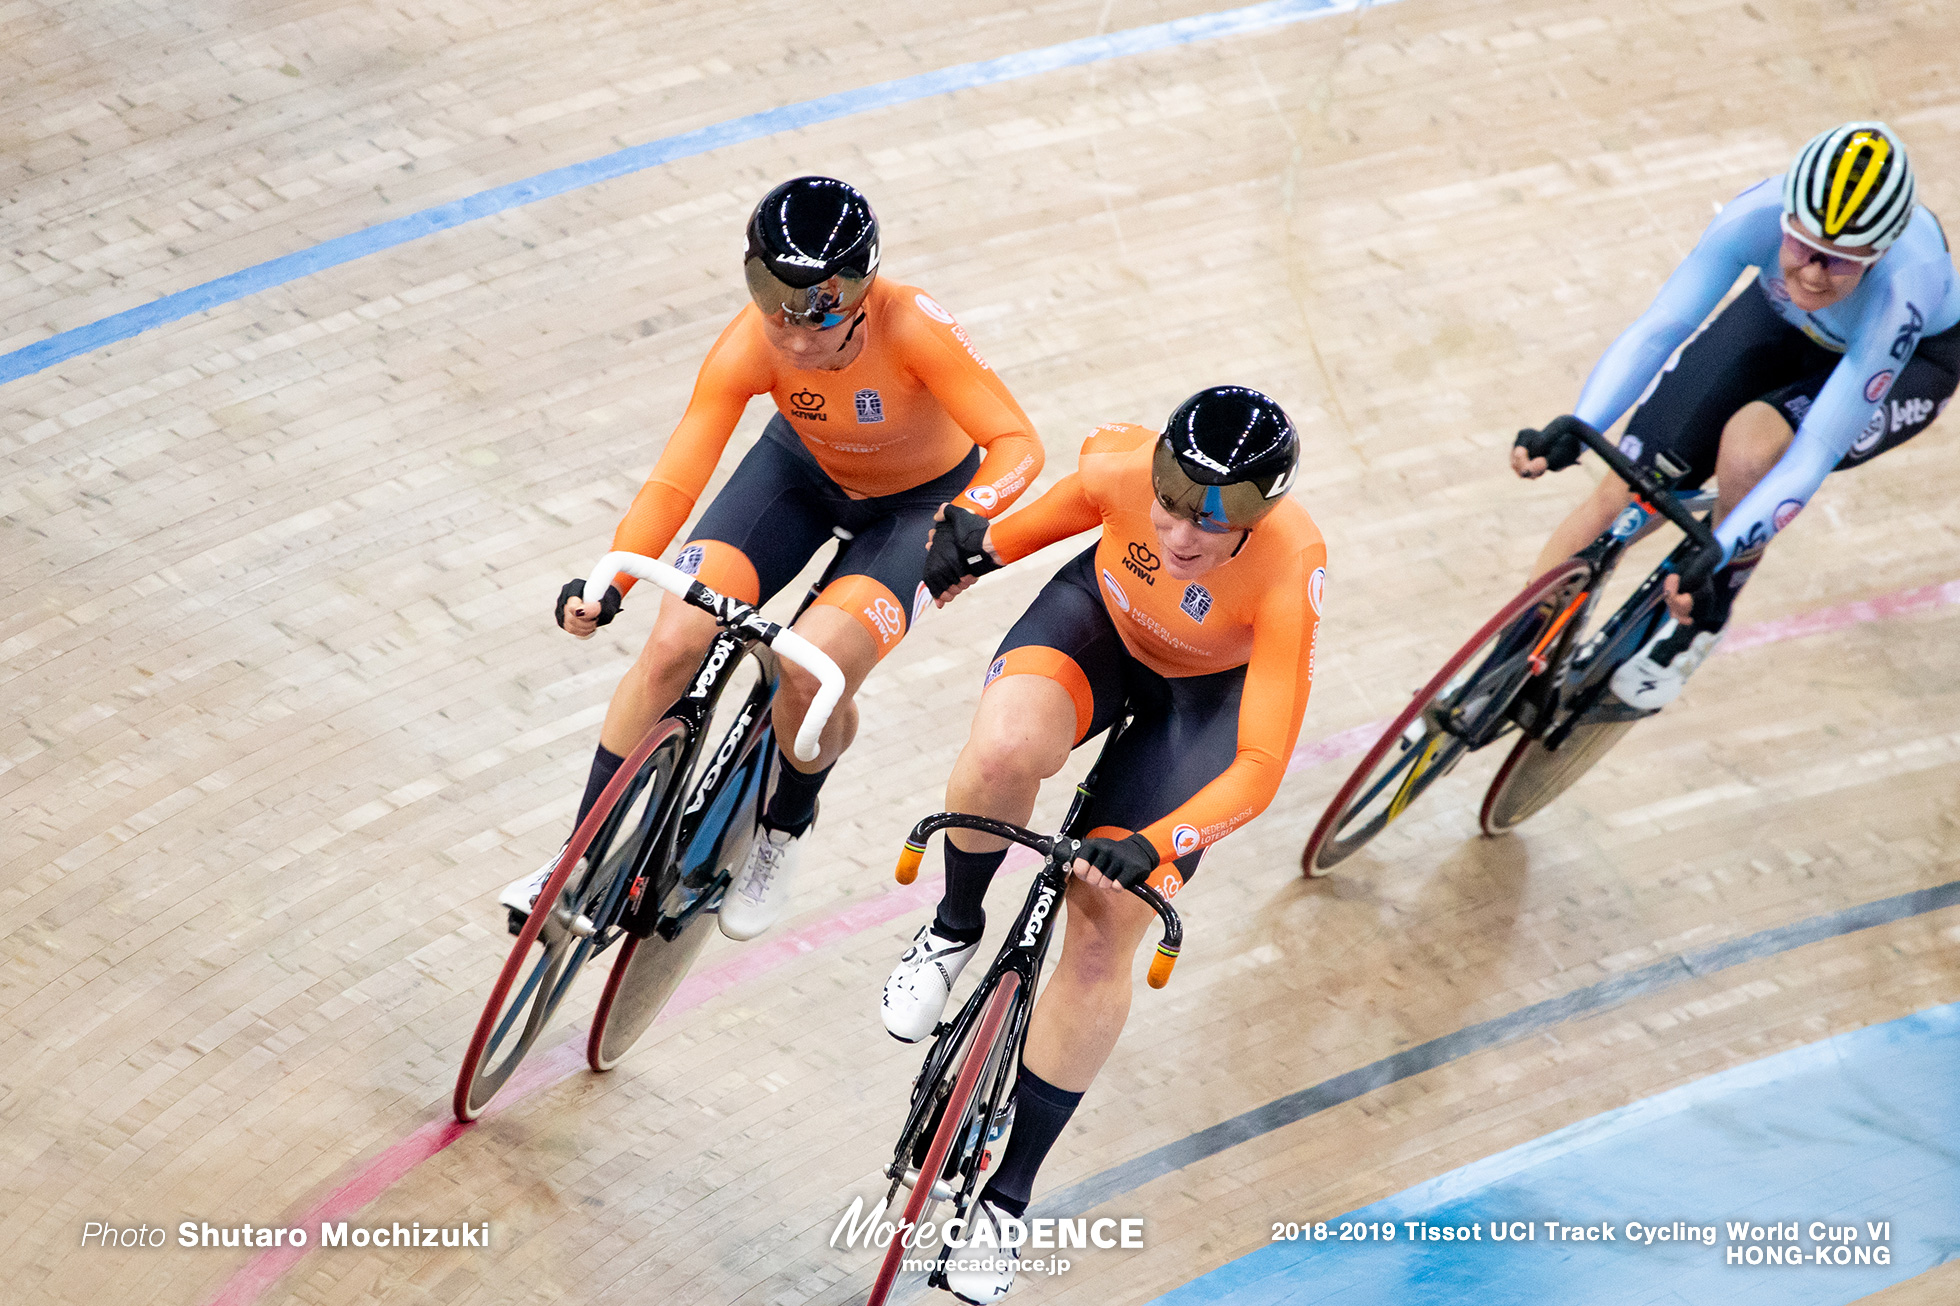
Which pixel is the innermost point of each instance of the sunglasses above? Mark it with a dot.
(1836, 263)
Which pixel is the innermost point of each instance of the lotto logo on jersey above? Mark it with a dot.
(689, 563)
(1196, 603)
(870, 407)
(930, 307)
(1786, 512)
(1316, 587)
(1877, 386)
(985, 496)
(1183, 839)
(920, 597)
(807, 404)
(1116, 591)
(1869, 437)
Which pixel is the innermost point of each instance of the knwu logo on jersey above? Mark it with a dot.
(888, 617)
(807, 404)
(1141, 562)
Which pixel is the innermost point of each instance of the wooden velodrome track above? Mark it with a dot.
(281, 706)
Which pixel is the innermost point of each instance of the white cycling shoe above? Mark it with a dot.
(755, 899)
(916, 992)
(522, 892)
(1653, 677)
(986, 1269)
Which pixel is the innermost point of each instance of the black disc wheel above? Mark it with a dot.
(1533, 775)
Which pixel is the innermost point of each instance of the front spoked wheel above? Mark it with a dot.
(575, 917)
(1463, 707)
(955, 1125)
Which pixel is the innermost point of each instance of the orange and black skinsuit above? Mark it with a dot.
(871, 450)
(1217, 669)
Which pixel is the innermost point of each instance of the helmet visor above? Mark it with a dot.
(1214, 508)
(825, 304)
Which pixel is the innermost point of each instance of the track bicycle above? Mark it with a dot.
(960, 1098)
(649, 863)
(1531, 669)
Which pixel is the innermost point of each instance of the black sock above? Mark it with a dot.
(962, 916)
(1040, 1112)
(605, 765)
(794, 804)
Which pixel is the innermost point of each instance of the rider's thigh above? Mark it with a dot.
(1752, 442)
(1024, 728)
(843, 640)
(1105, 927)
(679, 640)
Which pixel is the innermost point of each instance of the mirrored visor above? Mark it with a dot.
(825, 304)
(1214, 508)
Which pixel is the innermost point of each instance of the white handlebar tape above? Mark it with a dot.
(787, 643)
(830, 688)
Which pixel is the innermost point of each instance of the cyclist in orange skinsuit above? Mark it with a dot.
(1198, 605)
(885, 412)
(906, 413)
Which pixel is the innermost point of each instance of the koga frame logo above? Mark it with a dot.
(736, 734)
(717, 659)
(1141, 562)
(1042, 906)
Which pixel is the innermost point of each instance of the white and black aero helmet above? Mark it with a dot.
(811, 251)
(1851, 186)
(1227, 455)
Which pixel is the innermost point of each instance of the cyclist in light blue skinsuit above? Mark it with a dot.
(1845, 345)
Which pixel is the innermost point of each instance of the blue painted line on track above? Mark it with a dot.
(1854, 1130)
(344, 249)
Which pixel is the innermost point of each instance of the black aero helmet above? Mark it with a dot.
(1227, 455)
(812, 251)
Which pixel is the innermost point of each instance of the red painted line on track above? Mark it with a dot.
(378, 1173)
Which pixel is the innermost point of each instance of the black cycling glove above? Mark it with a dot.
(958, 550)
(1558, 444)
(1129, 861)
(575, 589)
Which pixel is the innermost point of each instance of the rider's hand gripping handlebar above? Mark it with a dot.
(730, 612)
(1056, 846)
